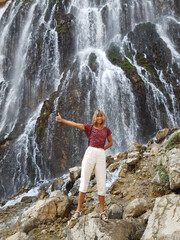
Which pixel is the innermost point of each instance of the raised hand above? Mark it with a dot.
(58, 118)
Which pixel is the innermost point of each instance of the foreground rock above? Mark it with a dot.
(2, 2)
(45, 210)
(164, 221)
(135, 208)
(18, 236)
(174, 168)
(162, 134)
(90, 227)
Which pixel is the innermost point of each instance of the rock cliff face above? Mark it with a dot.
(73, 57)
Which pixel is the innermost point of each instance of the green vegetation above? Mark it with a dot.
(147, 26)
(44, 115)
(128, 51)
(39, 130)
(116, 58)
(173, 142)
(163, 174)
(61, 28)
(92, 58)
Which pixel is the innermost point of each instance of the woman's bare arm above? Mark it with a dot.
(109, 138)
(70, 123)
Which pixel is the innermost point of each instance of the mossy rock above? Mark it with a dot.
(92, 58)
(116, 58)
(163, 174)
(61, 28)
(173, 142)
(147, 26)
(39, 130)
(92, 62)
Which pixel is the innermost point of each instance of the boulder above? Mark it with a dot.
(154, 149)
(27, 199)
(18, 236)
(163, 223)
(132, 161)
(116, 186)
(109, 161)
(57, 205)
(135, 208)
(146, 216)
(56, 185)
(134, 154)
(157, 179)
(161, 134)
(115, 212)
(134, 146)
(114, 167)
(93, 228)
(122, 156)
(42, 194)
(75, 173)
(123, 170)
(174, 168)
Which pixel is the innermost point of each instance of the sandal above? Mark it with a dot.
(104, 218)
(76, 215)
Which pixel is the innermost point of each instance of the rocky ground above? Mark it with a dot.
(143, 195)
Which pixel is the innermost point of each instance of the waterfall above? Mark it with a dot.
(112, 66)
(101, 23)
(29, 73)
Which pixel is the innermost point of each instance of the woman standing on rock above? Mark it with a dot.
(94, 158)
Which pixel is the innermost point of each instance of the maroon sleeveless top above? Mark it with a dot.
(98, 136)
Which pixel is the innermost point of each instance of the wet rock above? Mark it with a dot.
(123, 170)
(132, 161)
(2, 3)
(56, 185)
(135, 208)
(75, 173)
(109, 161)
(162, 134)
(42, 194)
(121, 156)
(135, 147)
(114, 167)
(134, 155)
(164, 221)
(27, 199)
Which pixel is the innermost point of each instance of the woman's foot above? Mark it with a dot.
(76, 215)
(103, 217)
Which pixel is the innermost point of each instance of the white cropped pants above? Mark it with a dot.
(94, 158)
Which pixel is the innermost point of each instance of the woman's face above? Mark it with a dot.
(99, 119)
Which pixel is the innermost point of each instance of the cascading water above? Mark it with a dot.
(116, 67)
(100, 23)
(30, 72)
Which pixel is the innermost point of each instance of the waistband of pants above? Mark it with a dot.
(101, 149)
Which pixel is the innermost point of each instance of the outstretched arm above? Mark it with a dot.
(70, 123)
(109, 138)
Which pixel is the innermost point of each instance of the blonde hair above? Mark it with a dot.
(94, 119)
